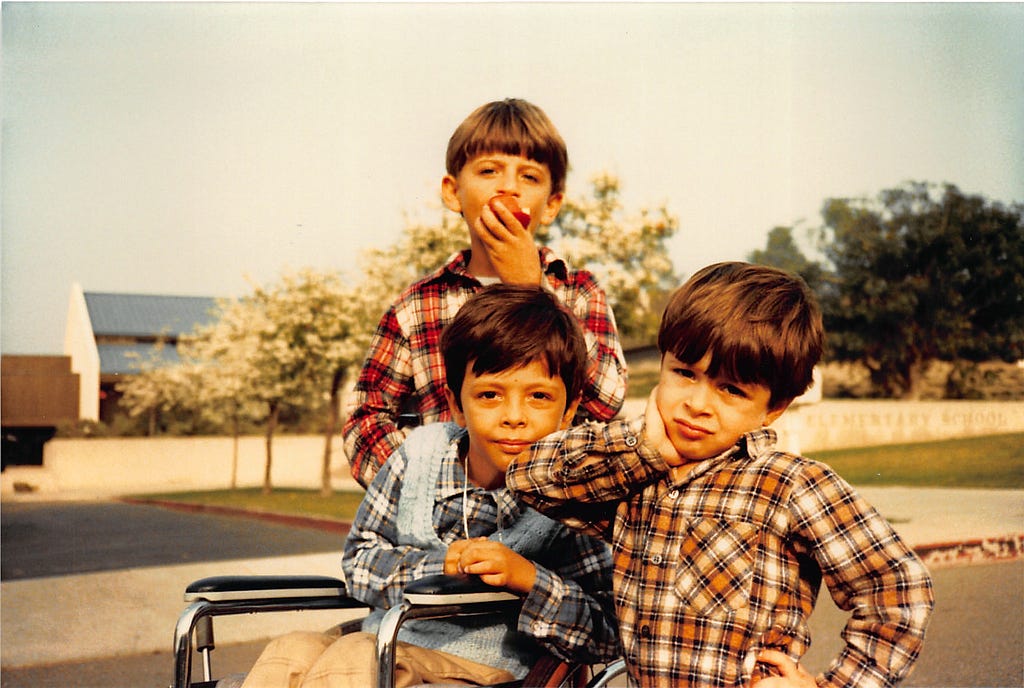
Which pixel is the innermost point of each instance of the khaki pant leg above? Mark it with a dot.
(285, 660)
(349, 663)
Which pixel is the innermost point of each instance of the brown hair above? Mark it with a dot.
(760, 324)
(506, 326)
(513, 127)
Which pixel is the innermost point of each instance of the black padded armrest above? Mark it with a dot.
(231, 588)
(460, 589)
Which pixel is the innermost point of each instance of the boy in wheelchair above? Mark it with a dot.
(515, 364)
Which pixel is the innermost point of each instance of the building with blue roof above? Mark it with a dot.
(109, 334)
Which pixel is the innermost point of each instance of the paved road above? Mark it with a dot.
(976, 637)
(58, 539)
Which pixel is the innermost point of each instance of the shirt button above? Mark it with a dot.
(656, 560)
(631, 440)
(645, 631)
(674, 494)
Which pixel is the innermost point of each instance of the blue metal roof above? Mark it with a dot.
(144, 315)
(115, 359)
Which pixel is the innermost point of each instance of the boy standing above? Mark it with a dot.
(515, 368)
(720, 541)
(506, 167)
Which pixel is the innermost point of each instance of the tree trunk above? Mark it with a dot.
(914, 380)
(234, 452)
(271, 426)
(333, 419)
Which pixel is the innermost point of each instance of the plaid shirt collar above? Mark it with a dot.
(452, 479)
(749, 446)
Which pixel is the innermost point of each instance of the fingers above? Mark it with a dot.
(464, 555)
(790, 672)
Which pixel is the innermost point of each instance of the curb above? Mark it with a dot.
(976, 551)
(985, 550)
(331, 525)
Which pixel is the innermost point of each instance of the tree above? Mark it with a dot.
(163, 392)
(627, 253)
(922, 273)
(219, 355)
(781, 251)
(311, 331)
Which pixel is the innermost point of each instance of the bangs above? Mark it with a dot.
(741, 357)
(509, 127)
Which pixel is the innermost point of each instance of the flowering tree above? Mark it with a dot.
(626, 252)
(158, 389)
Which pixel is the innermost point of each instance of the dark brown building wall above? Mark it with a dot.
(37, 391)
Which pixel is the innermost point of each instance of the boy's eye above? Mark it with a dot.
(487, 395)
(683, 372)
(734, 390)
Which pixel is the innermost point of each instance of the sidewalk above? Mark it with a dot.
(98, 615)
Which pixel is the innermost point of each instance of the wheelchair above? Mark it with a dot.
(433, 597)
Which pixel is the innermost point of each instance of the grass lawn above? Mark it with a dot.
(995, 461)
(341, 505)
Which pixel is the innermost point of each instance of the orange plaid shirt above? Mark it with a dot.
(727, 560)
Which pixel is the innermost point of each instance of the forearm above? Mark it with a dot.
(886, 631)
(606, 382)
(579, 475)
(572, 624)
(606, 376)
(370, 435)
(377, 572)
(870, 572)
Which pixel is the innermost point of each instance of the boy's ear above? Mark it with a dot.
(773, 414)
(450, 195)
(453, 404)
(570, 413)
(551, 208)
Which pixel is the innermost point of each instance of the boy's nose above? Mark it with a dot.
(513, 413)
(697, 397)
(508, 183)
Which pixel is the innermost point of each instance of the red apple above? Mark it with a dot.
(513, 206)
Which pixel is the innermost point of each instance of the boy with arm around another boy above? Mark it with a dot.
(515, 366)
(720, 541)
(507, 150)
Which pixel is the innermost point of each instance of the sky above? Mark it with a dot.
(200, 148)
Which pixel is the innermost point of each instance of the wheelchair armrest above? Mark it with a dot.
(237, 588)
(456, 589)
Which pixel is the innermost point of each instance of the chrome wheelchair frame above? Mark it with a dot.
(430, 598)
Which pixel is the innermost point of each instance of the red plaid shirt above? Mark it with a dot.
(725, 561)
(404, 369)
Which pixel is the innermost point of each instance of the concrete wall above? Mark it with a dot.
(838, 424)
(144, 465)
(120, 466)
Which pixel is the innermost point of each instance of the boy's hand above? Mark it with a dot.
(792, 675)
(654, 432)
(495, 563)
(510, 245)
